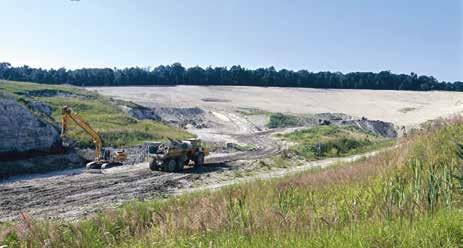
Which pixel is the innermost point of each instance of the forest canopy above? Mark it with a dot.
(176, 74)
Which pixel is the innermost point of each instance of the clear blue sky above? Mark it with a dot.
(423, 36)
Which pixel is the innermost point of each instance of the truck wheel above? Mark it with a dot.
(181, 163)
(199, 160)
(170, 165)
(154, 165)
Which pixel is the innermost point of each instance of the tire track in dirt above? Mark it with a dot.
(74, 196)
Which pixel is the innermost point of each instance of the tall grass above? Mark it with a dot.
(410, 196)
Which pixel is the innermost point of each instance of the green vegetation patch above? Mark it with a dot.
(106, 116)
(333, 141)
(279, 120)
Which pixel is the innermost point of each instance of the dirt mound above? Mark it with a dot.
(182, 116)
(376, 127)
(380, 128)
(143, 113)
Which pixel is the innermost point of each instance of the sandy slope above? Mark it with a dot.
(400, 107)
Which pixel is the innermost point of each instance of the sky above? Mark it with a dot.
(421, 36)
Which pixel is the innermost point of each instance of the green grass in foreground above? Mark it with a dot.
(116, 127)
(411, 196)
(333, 141)
(441, 230)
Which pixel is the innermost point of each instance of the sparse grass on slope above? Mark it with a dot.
(407, 197)
(116, 127)
(333, 141)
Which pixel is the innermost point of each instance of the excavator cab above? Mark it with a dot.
(106, 154)
(120, 156)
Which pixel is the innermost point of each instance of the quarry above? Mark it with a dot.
(232, 121)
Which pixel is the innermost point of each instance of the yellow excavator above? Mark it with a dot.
(103, 157)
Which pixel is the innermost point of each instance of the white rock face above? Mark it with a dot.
(21, 131)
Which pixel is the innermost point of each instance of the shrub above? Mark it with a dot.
(281, 120)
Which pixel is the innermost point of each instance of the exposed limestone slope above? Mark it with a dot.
(22, 131)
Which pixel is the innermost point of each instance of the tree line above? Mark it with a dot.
(176, 74)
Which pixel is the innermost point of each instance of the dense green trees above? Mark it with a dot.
(176, 74)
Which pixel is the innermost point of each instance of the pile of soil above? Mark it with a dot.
(376, 127)
(183, 117)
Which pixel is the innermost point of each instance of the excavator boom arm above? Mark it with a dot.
(67, 115)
